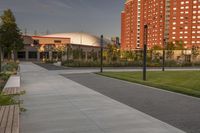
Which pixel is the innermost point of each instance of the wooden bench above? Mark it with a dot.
(12, 91)
(12, 86)
(9, 119)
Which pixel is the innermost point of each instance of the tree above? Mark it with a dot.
(11, 37)
(69, 51)
(170, 50)
(155, 55)
(179, 45)
(156, 47)
(113, 52)
(61, 50)
(129, 55)
(195, 52)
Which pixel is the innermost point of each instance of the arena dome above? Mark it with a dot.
(81, 38)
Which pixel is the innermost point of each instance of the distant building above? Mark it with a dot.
(40, 47)
(173, 20)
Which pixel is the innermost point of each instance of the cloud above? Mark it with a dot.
(52, 4)
(60, 4)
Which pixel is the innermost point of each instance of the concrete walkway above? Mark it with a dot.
(58, 105)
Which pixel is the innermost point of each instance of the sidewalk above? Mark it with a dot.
(58, 105)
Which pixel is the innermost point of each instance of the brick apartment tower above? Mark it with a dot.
(130, 25)
(184, 22)
(174, 20)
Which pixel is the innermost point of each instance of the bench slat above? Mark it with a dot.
(14, 91)
(4, 120)
(1, 113)
(9, 123)
(11, 91)
(10, 120)
(15, 128)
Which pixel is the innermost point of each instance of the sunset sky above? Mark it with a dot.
(93, 16)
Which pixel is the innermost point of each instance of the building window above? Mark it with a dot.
(57, 41)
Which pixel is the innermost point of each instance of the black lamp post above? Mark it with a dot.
(0, 49)
(101, 70)
(0, 58)
(0, 55)
(145, 52)
(163, 61)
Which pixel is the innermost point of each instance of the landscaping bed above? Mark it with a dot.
(170, 63)
(8, 69)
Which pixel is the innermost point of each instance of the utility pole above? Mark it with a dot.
(101, 54)
(145, 52)
(163, 63)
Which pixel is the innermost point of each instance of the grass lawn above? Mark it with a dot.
(186, 82)
(6, 100)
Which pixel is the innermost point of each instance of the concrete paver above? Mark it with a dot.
(58, 105)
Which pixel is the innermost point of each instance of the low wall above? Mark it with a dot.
(13, 81)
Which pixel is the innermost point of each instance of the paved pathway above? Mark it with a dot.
(58, 105)
(176, 109)
(72, 70)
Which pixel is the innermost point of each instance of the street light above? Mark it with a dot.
(0, 49)
(145, 52)
(163, 63)
(0, 54)
(101, 54)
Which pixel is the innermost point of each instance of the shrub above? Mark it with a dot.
(4, 76)
(196, 64)
(124, 63)
(72, 63)
(10, 67)
(171, 63)
(49, 61)
(150, 64)
(186, 64)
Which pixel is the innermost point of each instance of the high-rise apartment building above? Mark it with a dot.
(184, 23)
(130, 20)
(172, 20)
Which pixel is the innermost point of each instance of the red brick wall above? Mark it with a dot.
(184, 22)
(182, 27)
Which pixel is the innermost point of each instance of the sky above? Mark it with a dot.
(58, 16)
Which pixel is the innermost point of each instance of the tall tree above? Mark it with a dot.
(170, 50)
(195, 52)
(11, 37)
(112, 52)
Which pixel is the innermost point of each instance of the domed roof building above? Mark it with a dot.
(80, 38)
(47, 46)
